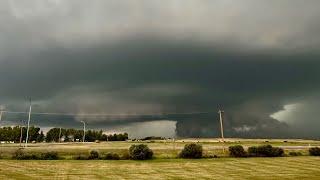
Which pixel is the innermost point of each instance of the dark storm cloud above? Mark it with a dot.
(150, 58)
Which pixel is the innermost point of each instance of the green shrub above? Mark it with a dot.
(314, 151)
(265, 151)
(125, 156)
(93, 154)
(18, 154)
(30, 157)
(192, 151)
(49, 156)
(294, 153)
(237, 151)
(111, 156)
(21, 155)
(80, 157)
(140, 152)
(253, 151)
(277, 152)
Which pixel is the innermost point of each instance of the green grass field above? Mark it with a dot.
(165, 165)
(162, 149)
(304, 167)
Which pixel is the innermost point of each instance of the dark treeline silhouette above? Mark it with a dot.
(14, 134)
(71, 135)
(54, 135)
(66, 135)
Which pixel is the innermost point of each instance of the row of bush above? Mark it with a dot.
(195, 151)
(21, 155)
(142, 152)
(191, 151)
(256, 151)
(136, 152)
(94, 155)
(266, 151)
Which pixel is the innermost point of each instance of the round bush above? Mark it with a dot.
(315, 151)
(192, 151)
(140, 152)
(237, 151)
(265, 151)
(94, 154)
(277, 152)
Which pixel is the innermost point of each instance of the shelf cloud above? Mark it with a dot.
(175, 61)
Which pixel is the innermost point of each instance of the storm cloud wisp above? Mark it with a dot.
(164, 58)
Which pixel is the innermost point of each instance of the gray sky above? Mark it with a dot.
(254, 58)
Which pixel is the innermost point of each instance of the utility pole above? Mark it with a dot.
(21, 128)
(221, 128)
(1, 112)
(29, 117)
(84, 131)
(221, 123)
(174, 145)
(60, 136)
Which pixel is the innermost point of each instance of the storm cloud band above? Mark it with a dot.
(111, 57)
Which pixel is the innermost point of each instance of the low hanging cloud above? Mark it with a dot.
(150, 61)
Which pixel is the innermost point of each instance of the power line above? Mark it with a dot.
(88, 114)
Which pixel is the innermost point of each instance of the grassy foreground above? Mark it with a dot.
(303, 167)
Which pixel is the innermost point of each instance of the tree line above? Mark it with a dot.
(57, 135)
(17, 132)
(71, 135)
